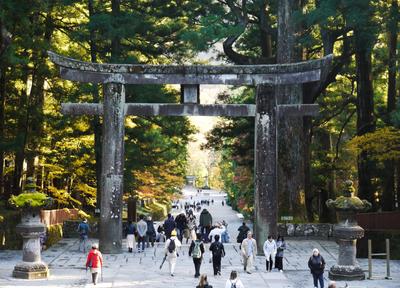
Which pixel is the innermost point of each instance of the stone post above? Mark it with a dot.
(112, 165)
(265, 159)
(346, 233)
(30, 228)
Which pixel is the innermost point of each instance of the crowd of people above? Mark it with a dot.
(185, 226)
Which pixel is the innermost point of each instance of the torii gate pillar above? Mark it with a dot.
(112, 165)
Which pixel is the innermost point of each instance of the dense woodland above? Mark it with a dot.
(355, 136)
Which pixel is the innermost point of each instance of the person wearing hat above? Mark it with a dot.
(171, 247)
(94, 261)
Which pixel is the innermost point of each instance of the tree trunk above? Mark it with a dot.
(290, 132)
(115, 41)
(389, 174)
(96, 119)
(2, 131)
(365, 118)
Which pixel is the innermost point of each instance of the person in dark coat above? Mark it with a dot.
(196, 250)
(218, 251)
(242, 233)
(151, 232)
(280, 248)
(181, 225)
(205, 223)
(316, 263)
(169, 225)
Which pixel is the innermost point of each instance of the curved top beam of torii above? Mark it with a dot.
(277, 74)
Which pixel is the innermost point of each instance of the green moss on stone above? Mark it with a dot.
(25, 200)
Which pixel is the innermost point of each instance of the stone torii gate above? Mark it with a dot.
(114, 109)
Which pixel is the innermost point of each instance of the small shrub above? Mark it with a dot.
(54, 234)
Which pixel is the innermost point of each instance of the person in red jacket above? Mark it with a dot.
(94, 262)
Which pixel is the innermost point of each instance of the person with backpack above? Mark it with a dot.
(142, 230)
(249, 252)
(94, 261)
(196, 251)
(130, 232)
(242, 233)
(269, 252)
(83, 230)
(234, 281)
(218, 251)
(316, 263)
(171, 247)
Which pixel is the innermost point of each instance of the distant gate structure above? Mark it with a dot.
(114, 109)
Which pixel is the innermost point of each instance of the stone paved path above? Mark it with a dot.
(142, 270)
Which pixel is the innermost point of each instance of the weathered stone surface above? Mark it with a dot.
(112, 168)
(312, 230)
(190, 69)
(265, 198)
(297, 110)
(302, 72)
(35, 270)
(154, 109)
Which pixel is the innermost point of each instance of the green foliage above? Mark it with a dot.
(26, 200)
(54, 234)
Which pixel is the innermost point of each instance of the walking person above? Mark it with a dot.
(192, 225)
(181, 224)
(269, 252)
(169, 225)
(242, 233)
(205, 223)
(150, 233)
(130, 231)
(249, 252)
(316, 263)
(234, 281)
(83, 230)
(196, 250)
(94, 261)
(171, 251)
(203, 283)
(218, 251)
(141, 230)
(280, 248)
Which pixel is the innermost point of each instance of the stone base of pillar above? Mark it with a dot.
(31, 270)
(346, 273)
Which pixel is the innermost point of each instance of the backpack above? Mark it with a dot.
(171, 246)
(217, 251)
(196, 250)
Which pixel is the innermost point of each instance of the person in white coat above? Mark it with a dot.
(269, 252)
(234, 281)
(172, 252)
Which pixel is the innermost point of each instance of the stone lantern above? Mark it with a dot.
(31, 228)
(346, 232)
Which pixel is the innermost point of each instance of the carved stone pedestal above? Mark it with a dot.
(346, 233)
(31, 266)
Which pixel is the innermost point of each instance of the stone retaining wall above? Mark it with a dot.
(312, 230)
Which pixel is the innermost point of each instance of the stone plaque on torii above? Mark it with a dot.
(114, 109)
